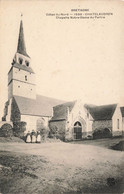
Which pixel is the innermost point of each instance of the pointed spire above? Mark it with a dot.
(21, 42)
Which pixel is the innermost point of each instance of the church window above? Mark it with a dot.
(27, 63)
(117, 123)
(25, 77)
(20, 61)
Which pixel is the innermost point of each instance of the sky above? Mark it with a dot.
(73, 59)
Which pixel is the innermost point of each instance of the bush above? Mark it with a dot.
(19, 129)
(56, 133)
(6, 130)
(42, 128)
(119, 146)
(53, 131)
(44, 132)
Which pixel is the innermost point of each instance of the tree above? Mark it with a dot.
(19, 128)
(43, 128)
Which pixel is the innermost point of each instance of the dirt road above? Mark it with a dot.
(60, 168)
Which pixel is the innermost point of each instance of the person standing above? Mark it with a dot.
(28, 137)
(38, 137)
(33, 135)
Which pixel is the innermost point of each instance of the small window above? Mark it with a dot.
(118, 124)
(25, 77)
(27, 63)
(20, 61)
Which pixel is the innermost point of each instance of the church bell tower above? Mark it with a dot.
(21, 77)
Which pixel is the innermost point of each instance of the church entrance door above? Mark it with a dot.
(77, 131)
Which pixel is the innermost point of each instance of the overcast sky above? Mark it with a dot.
(72, 59)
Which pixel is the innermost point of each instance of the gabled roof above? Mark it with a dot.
(60, 111)
(104, 112)
(21, 48)
(122, 111)
(42, 106)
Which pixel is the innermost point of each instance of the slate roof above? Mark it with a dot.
(42, 106)
(122, 111)
(104, 112)
(60, 111)
(21, 48)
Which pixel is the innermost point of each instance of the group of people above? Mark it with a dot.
(33, 137)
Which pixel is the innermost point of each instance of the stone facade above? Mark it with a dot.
(79, 114)
(21, 83)
(73, 113)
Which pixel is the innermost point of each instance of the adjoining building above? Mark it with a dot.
(80, 121)
(122, 112)
(73, 120)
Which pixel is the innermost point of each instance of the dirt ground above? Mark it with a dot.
(55, 168)
(106, 142)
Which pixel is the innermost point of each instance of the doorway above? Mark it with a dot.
(77, 130)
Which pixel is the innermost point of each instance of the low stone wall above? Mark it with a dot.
(117, 133)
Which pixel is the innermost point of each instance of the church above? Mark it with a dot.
(23, 103)
(72, 120)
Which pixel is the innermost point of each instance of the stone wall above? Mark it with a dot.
(21, 83)
(102, 124)
(117, 133)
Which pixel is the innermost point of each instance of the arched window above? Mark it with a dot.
(27, 63)
(118, 124)
(77, 123)
(20, 61)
